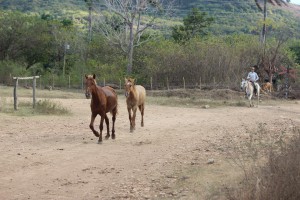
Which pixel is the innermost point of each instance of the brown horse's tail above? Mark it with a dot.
(115, 110)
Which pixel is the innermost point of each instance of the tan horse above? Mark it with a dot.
(135, 98)
(267, 87)
(104, 100)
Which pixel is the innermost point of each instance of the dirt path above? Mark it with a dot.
(57, 157)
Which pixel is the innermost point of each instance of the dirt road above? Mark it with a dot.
(57, 157)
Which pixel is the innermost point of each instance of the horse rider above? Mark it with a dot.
(253, 77)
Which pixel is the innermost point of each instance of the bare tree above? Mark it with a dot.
(273, 59)
(268, 61)
(128, 20)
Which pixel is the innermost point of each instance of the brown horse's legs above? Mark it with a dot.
(92, 125)
(130, 119)
(107, 126)
(141, 107)
(113, 136)
(101, 129)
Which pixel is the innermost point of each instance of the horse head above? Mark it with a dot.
(129, 83)
(89, 81)
(243, 84)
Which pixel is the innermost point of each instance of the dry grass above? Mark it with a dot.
(271, 165)
(43, 106)
(7, 91)
(259, 164)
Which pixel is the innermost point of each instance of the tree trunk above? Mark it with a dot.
(263, 34)
(130, 50)
(90, 22)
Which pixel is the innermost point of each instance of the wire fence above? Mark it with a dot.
(150, 84)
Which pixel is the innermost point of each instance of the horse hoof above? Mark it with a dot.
(99, 142)
(113, 137)
(107, 137)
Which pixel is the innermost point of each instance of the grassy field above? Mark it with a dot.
(179, 98)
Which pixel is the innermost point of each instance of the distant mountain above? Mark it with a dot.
(231, 16)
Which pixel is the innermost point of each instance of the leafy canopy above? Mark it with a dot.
(194, 24)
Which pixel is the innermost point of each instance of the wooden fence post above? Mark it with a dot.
(151, 83)
(168, 84)
(16, 86)
(15, 95)
(52, 81)
(40, 82)
(200, 83)
(33, 91)
(183, 83)
(214, 82)
(69, 81)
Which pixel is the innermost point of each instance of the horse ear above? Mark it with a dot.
(126, 79)
(94, 76)
(86, 76)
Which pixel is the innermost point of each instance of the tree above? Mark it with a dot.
(194, 24)
(24, 38)
(264, 9)
(135, 17)
(90, 5)
(268, 61)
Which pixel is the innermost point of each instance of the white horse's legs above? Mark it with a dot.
(250, 100)
(258, 92)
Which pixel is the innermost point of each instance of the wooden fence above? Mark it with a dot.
(16, 79)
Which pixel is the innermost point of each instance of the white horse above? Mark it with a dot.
(248, 88)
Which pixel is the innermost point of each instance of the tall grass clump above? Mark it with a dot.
(275, 172)
(25, 108)
(50, 108)
(5, 105)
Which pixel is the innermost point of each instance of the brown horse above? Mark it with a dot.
(135, 98)
(104, 100)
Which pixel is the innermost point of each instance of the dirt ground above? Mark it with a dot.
(57, 157)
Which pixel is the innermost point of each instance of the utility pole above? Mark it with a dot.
(66, 47)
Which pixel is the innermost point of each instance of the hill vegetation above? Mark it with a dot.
(230, 16)
(51, 38)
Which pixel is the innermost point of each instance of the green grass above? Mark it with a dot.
(25, 108)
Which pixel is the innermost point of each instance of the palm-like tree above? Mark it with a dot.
(267, 62)
(90, 4)
(264, 9)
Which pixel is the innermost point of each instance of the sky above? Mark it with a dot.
(295, 2)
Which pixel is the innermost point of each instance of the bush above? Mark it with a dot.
(278, 178)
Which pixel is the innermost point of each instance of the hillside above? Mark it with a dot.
(231, 16)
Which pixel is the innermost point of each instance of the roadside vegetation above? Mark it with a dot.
(61, 51)
(179, 63)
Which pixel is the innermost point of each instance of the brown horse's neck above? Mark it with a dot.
(95, 92)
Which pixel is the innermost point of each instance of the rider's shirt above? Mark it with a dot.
(252, 76)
